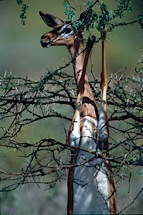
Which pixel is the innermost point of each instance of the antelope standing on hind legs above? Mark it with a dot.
(91, 186)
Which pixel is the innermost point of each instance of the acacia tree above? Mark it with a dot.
(24, 101)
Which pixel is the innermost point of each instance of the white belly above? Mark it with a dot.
(90, 179)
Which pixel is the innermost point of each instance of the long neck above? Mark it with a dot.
(88, 104)
(77, 56)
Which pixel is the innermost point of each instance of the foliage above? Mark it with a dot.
(101, 16)
(24, 8)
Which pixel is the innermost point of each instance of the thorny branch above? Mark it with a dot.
(23, 102)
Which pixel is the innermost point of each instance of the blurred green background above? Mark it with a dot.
(21, 54)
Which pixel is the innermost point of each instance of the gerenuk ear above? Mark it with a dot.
(50, 20)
